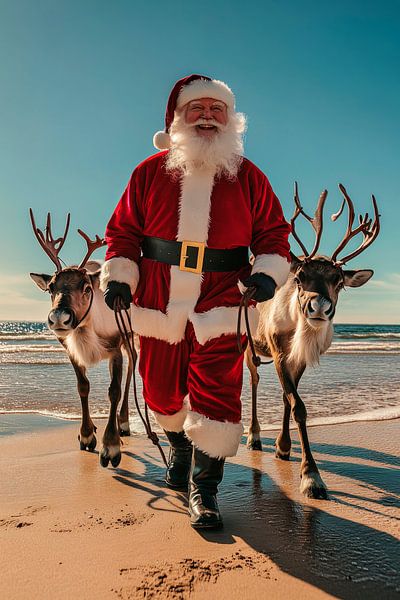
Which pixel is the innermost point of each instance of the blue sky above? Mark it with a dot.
(83, 87)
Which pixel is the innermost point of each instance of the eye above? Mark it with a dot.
(217, 108)
(87, 289)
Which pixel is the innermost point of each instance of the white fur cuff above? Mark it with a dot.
(123, 270)
(215, 438)
(172, 422)
(274, 265)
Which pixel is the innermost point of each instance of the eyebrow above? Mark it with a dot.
(194, 103)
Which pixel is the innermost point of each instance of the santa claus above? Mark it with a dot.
(178, 250)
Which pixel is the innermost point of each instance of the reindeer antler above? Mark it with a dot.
(368, 228)
(50, 245)
(92, 245)
(316, 221)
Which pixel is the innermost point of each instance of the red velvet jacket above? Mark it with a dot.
(196, 207)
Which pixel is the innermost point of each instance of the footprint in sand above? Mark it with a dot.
(92, 520)
(178, 581)
(8, 523)
(17, 519)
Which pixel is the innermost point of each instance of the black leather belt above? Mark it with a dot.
(195, 257)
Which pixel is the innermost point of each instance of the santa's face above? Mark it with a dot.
(206, 115)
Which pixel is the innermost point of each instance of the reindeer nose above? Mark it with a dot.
(314, 305)
(60, 318)
(319, 305)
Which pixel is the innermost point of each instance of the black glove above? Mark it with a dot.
(115, 289)
(265, 286)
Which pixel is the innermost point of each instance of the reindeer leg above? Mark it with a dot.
(311, 482)
(283, 442)
(86, 435)
(253, 436)
(123, 417)
(111, 450)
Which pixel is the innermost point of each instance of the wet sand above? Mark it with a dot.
(70, 529)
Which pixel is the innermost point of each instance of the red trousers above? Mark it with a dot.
(212, 375)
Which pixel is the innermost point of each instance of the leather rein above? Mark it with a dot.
(88, 309)
(244, 307)
(124, 323)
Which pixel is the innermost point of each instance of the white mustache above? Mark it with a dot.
(207, 122)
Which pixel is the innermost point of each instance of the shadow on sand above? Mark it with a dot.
(339, 556)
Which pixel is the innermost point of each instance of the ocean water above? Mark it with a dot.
(357, 379)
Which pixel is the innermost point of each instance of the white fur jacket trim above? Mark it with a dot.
(123, 270)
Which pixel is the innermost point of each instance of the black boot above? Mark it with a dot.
(180, 459)
(205, 476)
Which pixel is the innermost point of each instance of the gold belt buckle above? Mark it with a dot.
(200, 256)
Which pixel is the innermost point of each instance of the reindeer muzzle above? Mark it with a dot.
(319, 308)
(62, 319)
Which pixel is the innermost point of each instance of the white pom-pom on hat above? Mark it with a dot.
(162, 140)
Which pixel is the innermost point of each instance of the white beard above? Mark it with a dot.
(222, 154)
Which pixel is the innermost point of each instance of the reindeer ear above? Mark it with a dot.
(92, 267)
(94, 275)
(357, 278)
(295, 262)
(42, 281)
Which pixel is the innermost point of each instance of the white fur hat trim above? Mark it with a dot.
(201, 88)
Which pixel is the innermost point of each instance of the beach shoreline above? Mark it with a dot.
(35, 375)
(69, 527)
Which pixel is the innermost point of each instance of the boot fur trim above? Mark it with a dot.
(215, 438)
(172, 422)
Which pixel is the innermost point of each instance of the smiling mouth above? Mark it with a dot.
(206, 127)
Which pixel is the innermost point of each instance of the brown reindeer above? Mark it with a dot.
(295, 327)
(87, 329)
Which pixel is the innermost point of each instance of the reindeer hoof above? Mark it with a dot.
(254, 441)
(110, 453)
(84, 444)
(312, 486)
(92, 444)
(104, 458)
(124, 429)
(283, 455)
(116, 460)
(254, 445)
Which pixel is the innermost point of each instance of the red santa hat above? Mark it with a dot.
(190, 88)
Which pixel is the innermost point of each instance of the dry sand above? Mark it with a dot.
(70, 529)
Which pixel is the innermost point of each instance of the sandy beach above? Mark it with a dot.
(70, 529)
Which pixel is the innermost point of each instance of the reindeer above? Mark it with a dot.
(86, 328)
(295, 327)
